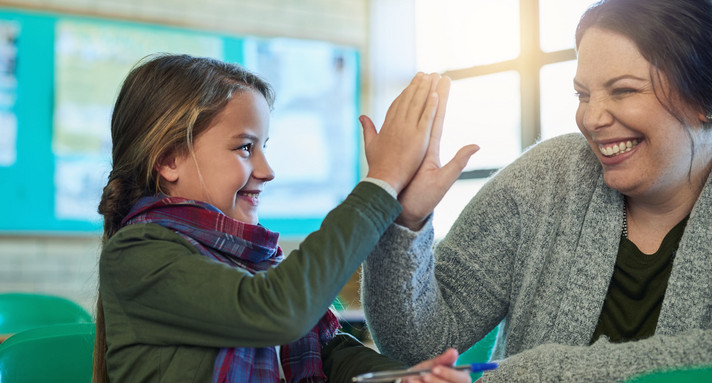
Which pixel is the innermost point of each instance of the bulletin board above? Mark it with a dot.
(60, 74)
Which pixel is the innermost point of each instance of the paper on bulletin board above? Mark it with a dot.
(92, 59)
(314, 135)
(9, 32)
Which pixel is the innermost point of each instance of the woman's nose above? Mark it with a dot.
(596, 113)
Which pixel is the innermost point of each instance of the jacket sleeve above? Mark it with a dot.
(157, 289)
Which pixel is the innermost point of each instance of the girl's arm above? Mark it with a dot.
(160, 290)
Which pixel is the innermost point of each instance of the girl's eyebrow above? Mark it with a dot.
(244, 136)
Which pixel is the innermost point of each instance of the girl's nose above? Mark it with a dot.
(262, 170)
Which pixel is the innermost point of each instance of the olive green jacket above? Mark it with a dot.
(168, 309)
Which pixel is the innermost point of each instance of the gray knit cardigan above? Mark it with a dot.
(535, 249)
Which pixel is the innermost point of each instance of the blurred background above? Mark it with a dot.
(61, 63)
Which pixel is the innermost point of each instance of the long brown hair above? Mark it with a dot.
(164, 103)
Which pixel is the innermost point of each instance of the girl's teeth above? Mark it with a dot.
(618, 148)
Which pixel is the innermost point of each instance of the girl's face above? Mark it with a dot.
(643, 149)
(230, 168)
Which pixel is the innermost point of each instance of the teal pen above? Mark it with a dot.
(390, 376)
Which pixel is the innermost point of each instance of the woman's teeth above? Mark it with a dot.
(610, 150)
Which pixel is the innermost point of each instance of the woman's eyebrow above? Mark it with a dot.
(612, 81)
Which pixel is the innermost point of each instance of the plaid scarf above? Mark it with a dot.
(250, 247)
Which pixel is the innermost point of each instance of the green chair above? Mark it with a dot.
(480, 352)
(24, 311)
(688, 375)
(58, 353)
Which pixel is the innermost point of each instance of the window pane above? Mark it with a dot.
(558, 20)
(455, 34)
(452, 204)
(484, 110)
(558, 103)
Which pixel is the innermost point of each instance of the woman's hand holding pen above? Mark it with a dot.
(397, 151)
(441, 373)
(432, 181)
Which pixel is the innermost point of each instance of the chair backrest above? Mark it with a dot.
(480, 352)
(24, 311)
(58, 353)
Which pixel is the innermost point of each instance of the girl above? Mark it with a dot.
(192, 288)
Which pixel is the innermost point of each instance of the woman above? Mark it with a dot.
(593, 250)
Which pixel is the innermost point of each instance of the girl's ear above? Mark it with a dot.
(166, 167)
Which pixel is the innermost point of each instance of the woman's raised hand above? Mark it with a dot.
(397, 151)
(432, 181)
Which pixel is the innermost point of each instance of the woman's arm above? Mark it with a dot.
(417, 307)
(604, 361)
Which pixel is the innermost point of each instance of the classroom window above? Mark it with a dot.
(512, 63)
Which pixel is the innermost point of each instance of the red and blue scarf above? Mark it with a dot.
(250, 247)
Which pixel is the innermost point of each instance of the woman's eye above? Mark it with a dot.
(582, 97)
(622, 91)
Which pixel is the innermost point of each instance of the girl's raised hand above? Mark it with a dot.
(432, 181)
(397, 151)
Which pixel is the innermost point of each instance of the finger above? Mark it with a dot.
(403, 102)
(443, 91)
(449, 357)
(369, 129)
(434, 83)
(452, 170)
(399, 100)
(445, 374)
(428, 116)
(413, 110)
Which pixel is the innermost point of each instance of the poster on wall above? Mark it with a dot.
(91, 61)
(9, 32)
(314, 136)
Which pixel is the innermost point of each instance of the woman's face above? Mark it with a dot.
(644, 150)
(230, 168)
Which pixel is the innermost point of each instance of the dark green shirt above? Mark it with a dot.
(637, 289)
(168, 310)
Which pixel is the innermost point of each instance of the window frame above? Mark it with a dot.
(528, 65)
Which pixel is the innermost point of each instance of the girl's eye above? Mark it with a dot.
(246, 148)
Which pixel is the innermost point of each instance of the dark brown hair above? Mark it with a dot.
(675, 37)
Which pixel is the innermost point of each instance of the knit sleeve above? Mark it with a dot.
(604, 361)
(414, 304)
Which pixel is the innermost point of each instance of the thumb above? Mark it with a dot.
(447, 358)
(369, 129)
(453, 168)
